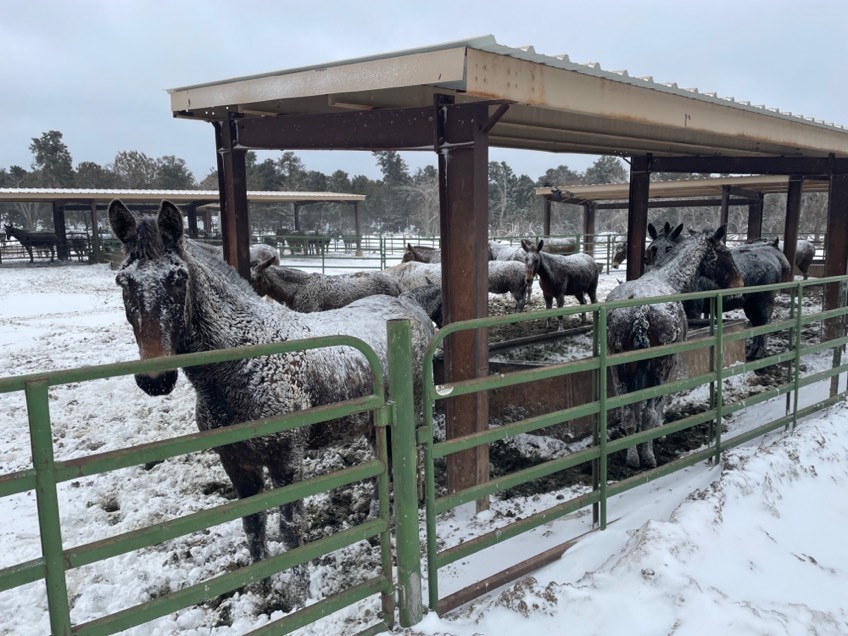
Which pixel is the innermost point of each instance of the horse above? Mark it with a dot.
(181, 298)
(649, 325)
(30, 240)
(575, 275)
(508, 277)
(306, 293)
(422, 254)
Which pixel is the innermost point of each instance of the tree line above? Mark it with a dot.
(402, 201)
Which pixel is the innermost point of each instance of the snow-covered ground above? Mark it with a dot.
(752, 546)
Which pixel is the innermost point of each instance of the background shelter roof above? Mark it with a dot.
(198, 197)
(713, 187)
(554, 104)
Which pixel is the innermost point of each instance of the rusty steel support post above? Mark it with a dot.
(95, 234)
(546, 218)
(724, 214)
(793, 214)
(356, 229)
(589, 227)
(232, 182)
(755, 218)
(463, 181)
(59, 230)
(637, 216)
(191, 213)
(836, 261)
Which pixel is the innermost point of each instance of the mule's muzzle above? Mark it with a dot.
(157, 383)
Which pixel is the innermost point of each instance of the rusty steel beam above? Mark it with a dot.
(60, 231)
(668, 203)
(589, 228)
(724, 211)
(388, 129)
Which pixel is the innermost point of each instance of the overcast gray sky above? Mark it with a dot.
(98, 70)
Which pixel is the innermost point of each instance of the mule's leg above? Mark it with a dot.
(581, 298)
(248, 480)
(560, 319)
(652, 416)
(28, 248)
(287, 469)
(630, 415)
(549, 303)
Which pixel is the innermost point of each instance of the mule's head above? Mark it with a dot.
(532, 259)
(258, 278)
(154, 278)
(662, 246)
(619, 254)
(718, 264)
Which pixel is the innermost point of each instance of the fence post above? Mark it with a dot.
(41, 438)
(405, 472)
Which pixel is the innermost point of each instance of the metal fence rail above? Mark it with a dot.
(47, 473)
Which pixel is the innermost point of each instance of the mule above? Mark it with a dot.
(760, 263)
(804, 254)
(306, 293)
(619, 254)
(422, 254)
(508, 277)
(182, 298)
(574, 275)
(505, 252)
(653, 324)
(414, 274)
(33, 240)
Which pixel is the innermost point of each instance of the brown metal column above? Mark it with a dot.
(191, 212)
(59, 230)
(357, 229)
(589, 227)
(836, 258)
(463, 170)
(637, 216)
(793, 214)
(232, 182)
(95, 234)
(755, 219)
(724, 213)
(546, 219)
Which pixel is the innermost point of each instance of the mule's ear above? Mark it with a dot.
(540, 245)
(652, 231)
(409, 246)
(720, 233)
(677, 231)
(122, 221)
(265, 264)
(170, 223)
(776, 242)
(525, 245)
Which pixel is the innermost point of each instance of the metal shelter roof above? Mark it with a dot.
(555, 104)
(714, 187)
(200, 197)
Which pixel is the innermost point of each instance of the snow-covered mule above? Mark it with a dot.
(308, 292)
(181, 298)
(651, 325)
(507, 277)
(574, 275)
(422, 254)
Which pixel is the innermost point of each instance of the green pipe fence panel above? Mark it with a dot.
(47, 473)
(719, 404)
